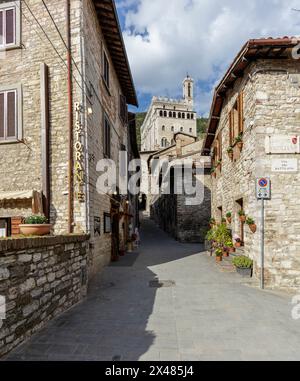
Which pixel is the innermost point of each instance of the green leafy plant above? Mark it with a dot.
(250, 221)
(223, 220)
(242, 213)
(222, 235)
(210, 235)
(230, 149)
(219, 253)
(212, 221)
(36, 219)
(242, 262)
(213, 170)
(219, 162)
(229, 215)
(239, 138)
(229, 244)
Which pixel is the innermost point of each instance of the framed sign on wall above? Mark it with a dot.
(107, 223)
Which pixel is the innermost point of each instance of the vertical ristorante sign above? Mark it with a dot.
(79, 154)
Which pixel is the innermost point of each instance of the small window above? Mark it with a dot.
(236, 120)
(8, 115)
(105, 69)
(164, 142)
(107, 137)
(9, 24)
(191, 130)
(192, 116)
(165, 114)
(163, 128)
(172, 128)
(183, 115)
(179, 115)
(188, 116)
(123, 109)
(161, 113)
(170, 114)
(181, 129)
(174, 114)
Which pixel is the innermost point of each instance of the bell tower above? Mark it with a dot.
(188, 90)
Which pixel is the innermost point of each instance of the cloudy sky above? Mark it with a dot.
(165, 39)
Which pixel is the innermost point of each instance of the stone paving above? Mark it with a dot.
(202, 313)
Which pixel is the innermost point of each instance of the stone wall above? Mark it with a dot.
(39, 278)
(271, 106)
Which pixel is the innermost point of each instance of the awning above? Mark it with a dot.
(16, 195)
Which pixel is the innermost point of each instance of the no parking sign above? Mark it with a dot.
(263, 188)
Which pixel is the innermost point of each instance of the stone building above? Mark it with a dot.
(258, 100)
(166, 117)
(184, 220)
(65, 83)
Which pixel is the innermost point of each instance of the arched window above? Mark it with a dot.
(163, 128)
(179, 115)
(172, 128)
(181, 129)
(174, 114)
(164, 142)
(183, 115)
(161, 113)
(170, 114)
(188, 116)
(189, 90)
(165, 114)
(191, 130)
(192, 116)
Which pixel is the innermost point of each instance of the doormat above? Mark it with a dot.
(127, 261)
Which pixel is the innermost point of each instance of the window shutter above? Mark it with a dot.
(230, 128)
(241, 112)
(11, 114)
(1, 28)
(2, 116)
(10, 28)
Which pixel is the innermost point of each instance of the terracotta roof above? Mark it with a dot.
(110, 26)
(268, 48)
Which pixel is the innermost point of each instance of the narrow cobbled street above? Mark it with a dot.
(197, 313)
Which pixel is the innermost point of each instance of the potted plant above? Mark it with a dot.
(223, 221)
(229, 217)
(225, 252)
(230, 247)
(242, 215)
(244, 265)
(239, 141)
(213, 172)
(219, 255)
(230, 153)
(35, 225)
(251, 223)
(238, 241)
(212, 222)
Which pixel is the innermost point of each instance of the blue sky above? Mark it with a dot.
(165, 39)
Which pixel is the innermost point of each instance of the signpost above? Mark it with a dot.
(263, 192)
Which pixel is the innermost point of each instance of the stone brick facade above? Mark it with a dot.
(39, 278)
(20, 161)
(271, 106)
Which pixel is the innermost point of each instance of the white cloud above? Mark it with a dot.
(167, 38)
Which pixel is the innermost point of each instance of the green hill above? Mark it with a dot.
(140, 117)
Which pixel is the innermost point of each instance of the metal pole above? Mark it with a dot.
(262, 282)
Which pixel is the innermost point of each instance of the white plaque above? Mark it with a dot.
(282, 144)
(285, 165)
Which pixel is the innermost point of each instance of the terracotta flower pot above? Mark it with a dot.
(225, 254)
(219, 259)
(229, 219)
(238, 244)
(253, 228)
(37, 229)
(232, 250)
(243, 218)
(240, 145)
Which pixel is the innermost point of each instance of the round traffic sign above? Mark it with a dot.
(263, 183)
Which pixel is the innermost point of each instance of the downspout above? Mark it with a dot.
(70, 115)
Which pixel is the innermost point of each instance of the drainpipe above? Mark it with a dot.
(70, 115)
